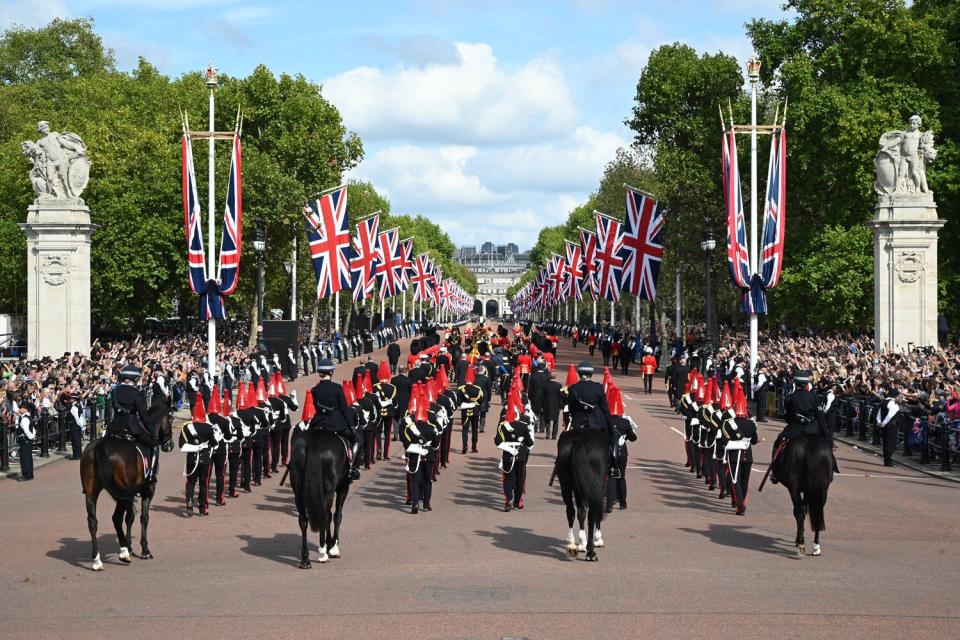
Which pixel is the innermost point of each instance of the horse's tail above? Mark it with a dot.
(587, 479)
(819, 461)
(313, 481)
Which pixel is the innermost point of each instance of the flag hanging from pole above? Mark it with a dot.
(774, 220)
(196, 258)
(232, 238)
(330, 244)
(421, 278)
(389, 264)
(609, 262)
(642, 249)
(406, 263)
(363, 257)
(588, 247)
(575, 272)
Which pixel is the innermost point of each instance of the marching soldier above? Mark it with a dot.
(482, 380)
(420, 438)
(195, 439)
(552, 401)
(626, 430)
(232, 436)
(26, 433)
(648, 367)
(470, 399)
(218, 445)
(740, 434)
(515, 439)
(387, 404)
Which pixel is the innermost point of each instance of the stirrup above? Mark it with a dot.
(615, 472)
(354, 473)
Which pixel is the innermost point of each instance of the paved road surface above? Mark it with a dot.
(678, 563)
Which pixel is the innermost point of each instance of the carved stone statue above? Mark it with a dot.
(902, 160)
(61, 167)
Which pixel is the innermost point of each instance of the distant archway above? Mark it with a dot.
(493, 309)
(477, 308)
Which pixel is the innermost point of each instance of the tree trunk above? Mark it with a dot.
(313, 321)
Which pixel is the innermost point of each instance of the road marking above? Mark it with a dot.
(627, 397)
(674, 429)
(632, 466)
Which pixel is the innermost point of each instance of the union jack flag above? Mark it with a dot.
(588, 247)
(363, 261)
(231, 241)
(738, 256)
(389, 264)
(774, 220)
(421, 278)
(574, 273)
(558, 269)
(406, 263)
(609, 262)
(642, 245)
(436, 281)
(196, 260)
(330, 242)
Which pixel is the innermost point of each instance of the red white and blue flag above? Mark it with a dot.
(363, 257)
(774, 219)
(609, 262)
(232, 239)
(406, 263)
(588, 247)
(738, 255)
(329, 236)
(196, 259)
(389, 269)
(575, 272)
(421, 278)
(642, 249)
(558, 270)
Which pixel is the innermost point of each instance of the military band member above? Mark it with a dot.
(218, 445)
(387, 403)
(515, 439)
(420, 439)
(470, 399)
(626, 431)
(740, 434)
(195, 440)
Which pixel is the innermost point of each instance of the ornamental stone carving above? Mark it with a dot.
(902, 160)
(909, 267)
(61, 168)
(54, 269)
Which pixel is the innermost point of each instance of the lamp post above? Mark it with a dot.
(259, 245)
(708, 245)
(681, 269)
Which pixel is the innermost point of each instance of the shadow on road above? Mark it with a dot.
(386, 489)
(282, 547)
(76, 552)
(524, 541)
(742, 537)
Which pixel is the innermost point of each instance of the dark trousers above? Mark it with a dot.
(421, 484)
(514, 484)
(200, 476)
(369, 435)
(261, 456)
(606, 359)
(550, 427)
(285, 444)
(889, 442)
(76, 439)
(761, 406)
(615, 361)
(617, 487)
(276, 439)
(26, 458)
(741, 486)
(387, 422)
(445, 442)
(592, 348)
(233, 466)
(246, 467)
(625, 364)
(219, 465)
(647, 382)
(471, 425)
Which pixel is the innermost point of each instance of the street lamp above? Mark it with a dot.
(708, 245)
(259, 245)
(681, 269)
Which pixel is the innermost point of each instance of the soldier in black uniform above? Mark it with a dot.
(679, 381)
(130, 416)
(470, 401)
(588, 409)
(482, 380)
(196, 438)
(393, 355)
(330, 404)
(218, 446)
(421, 442)
(741, 434)
(232, 436)
(803, 415)
(626, 430)
(515, 439)
(552, 401)
(535, 384)
(387, 404)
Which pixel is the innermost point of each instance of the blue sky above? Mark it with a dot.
(494, 118)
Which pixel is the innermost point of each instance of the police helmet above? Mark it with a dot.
(130, 372)
(585, 369)
(325, 366)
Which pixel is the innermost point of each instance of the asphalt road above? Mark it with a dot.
(678, 562)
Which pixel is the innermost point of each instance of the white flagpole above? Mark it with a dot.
(336, 312)
(636, 312)
(211, 228)
(613, 311)
(594, 311)
(753, 71)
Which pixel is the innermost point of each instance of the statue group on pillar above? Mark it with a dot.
(61, 168)
(902, 160)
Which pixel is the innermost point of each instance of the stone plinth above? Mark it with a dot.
(905, 229)
(58, 277)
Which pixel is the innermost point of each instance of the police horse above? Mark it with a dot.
(805, 467)
(114, 464)
(319, 473)
(583, 464)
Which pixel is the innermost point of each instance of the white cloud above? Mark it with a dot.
(469, 101)
(31, 13)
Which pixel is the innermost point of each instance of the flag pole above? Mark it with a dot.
(594, 311)
(753, 72)
(636, 312)
(211, 228)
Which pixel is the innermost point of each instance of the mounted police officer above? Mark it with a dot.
(804, 415)
(588, 409)
(330, 403)
(130, 415)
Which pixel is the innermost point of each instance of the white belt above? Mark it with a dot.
(738, 445)
(468, 405)
(510, 447)
(417, 449)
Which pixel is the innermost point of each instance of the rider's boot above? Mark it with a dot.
(614, 466)
(154, 461)
(354, 469)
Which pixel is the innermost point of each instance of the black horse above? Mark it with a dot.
(582, 467)
(114, 464)
(319, 471)
(805, 468)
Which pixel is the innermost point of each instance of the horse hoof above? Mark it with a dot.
(305, 564)
(334, 552)
(124, 555)
(324, 558)
(146, 555)
(801, 550)
(592, 556)
(97, 564)
(816, 550)
(572, 552)
(598, 542)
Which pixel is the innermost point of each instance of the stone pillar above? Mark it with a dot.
(58, 277)
(905, 229)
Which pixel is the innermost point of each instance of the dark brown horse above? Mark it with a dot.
(582, 467)
(805, 468)
(113, 464)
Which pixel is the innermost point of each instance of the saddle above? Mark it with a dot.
(139, 446)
